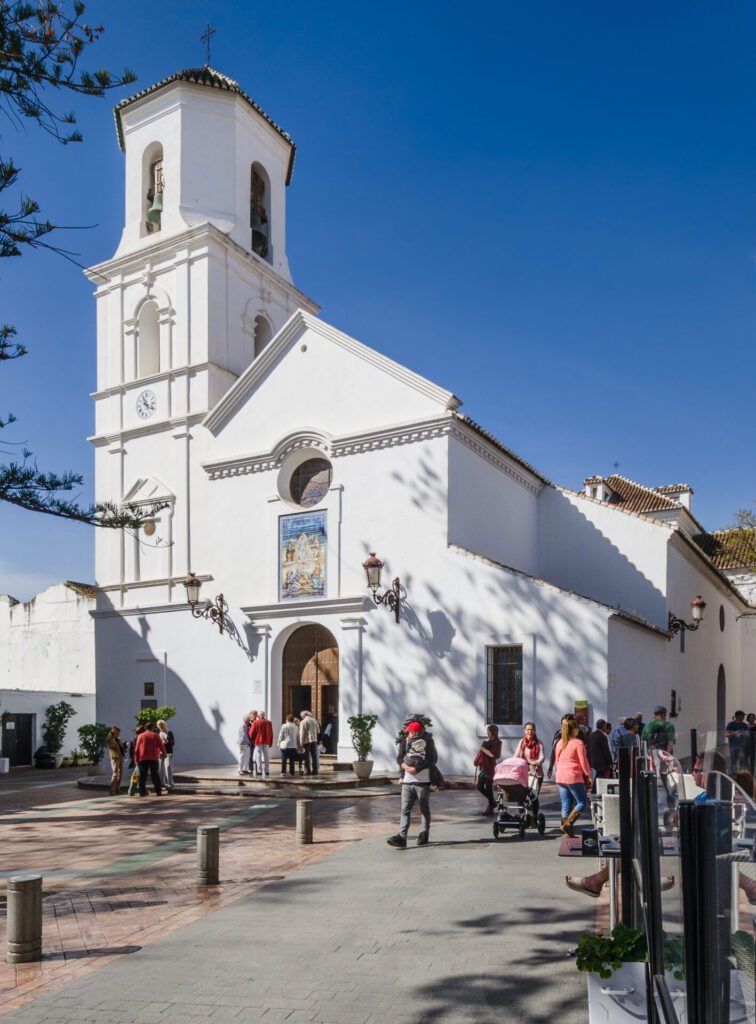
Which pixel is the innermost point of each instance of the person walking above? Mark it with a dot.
(572, 773)
(261, 738)
(245, 749)
(416, 756)
(598, 751)
(287, 741)
(659, 734)
(309, 730)
(488, 754)
(530, 749)
(116, 750)
(569, 717)
(629, 737)
(148, 750)
(166, 764)
(738, 737)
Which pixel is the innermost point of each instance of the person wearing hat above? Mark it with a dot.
(416, 756)
(659, 734)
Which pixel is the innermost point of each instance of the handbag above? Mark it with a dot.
(480, 760)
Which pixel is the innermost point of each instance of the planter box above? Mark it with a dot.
(621, 999)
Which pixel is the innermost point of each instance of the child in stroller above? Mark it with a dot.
(516, 798)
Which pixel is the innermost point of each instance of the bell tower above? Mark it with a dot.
(200, 281)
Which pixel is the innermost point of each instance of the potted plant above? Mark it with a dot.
(361, 727)
(93, 739)
(616, 969)
(54, 729)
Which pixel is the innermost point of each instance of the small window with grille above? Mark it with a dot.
(504, 684)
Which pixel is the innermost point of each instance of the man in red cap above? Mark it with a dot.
(416, 756)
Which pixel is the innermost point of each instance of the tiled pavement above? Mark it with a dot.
(365, 934)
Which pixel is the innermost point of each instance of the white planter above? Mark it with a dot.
(59, 758)
(362, 769)
(621, 999)
(4, 765)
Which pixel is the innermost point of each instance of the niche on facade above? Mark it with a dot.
(153, 187)
(259, 212)
(263, 333)
(148, 340)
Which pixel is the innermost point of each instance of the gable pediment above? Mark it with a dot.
(312, 373)
(148, 490)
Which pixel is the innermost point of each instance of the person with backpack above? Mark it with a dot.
(659, 734)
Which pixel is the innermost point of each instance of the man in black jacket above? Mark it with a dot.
(416, 755)
(599, 752)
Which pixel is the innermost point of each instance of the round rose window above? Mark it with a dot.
(310, 482)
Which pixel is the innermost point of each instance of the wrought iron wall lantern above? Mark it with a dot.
(391, 598)
(214, 612)
(676, 625)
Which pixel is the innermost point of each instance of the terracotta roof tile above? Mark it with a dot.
(636, 498)
(729, 549)
(674, 489)
(213, 79)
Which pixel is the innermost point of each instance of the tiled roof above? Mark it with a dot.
(213, 79)
(499, 444)
(636, 498)
(730, 549)
(674, 489)
(82, 589)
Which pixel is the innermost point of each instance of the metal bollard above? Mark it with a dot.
(208, 854)
(24, 919)
(304, 821)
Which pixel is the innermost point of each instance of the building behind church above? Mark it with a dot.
(283, 452)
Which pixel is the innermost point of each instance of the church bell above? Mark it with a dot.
(155, 211)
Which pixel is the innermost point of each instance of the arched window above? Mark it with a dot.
(263, 334)
(148, 350)
(259, 212)
(153, 185)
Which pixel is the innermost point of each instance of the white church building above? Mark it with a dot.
(285, 452)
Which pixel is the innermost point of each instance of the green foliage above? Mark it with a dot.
(673, 956)
(743, 952)
(41, 44)
(361, 727)
(427, 724)
(76, 756)
(93, 739)
(604, 954)
(147, 715)
(54, 729)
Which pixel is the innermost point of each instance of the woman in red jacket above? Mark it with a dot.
(572, 774)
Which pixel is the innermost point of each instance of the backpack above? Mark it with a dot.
(657, 736)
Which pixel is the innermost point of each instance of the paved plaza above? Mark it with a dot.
(346, 931)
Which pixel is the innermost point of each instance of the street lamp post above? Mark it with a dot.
(676, 625)
(391, 598)
(213, 612)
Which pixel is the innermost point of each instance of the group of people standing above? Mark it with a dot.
(150, 753)
(298, 741)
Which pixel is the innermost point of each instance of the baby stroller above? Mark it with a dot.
(516, 798)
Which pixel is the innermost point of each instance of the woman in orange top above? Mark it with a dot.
(572, 774)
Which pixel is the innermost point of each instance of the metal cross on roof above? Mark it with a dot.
(206, 36)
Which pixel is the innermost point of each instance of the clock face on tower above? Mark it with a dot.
(146, 404)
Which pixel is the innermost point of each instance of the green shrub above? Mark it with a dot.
(147, 715)
(54, 729)
(604, 954)
(93, 739)
(361, 727)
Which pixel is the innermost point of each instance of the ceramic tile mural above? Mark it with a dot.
(302, 555)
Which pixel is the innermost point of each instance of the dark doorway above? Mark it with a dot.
(17, 739)
(310, 671)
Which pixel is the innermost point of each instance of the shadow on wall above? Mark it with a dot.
(443, 672)
(575, 554)
(119, 692)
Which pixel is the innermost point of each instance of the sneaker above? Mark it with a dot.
(398, 841)
(422, 839)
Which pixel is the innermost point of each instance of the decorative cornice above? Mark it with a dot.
(100, 440)
(331, 447)
(162, 249)
(491, 454)
(306, 609)
(157, 378)
(294, 327)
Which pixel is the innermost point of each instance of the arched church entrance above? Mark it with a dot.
(310, 677)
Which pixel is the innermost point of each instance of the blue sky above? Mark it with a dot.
(548, 208)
